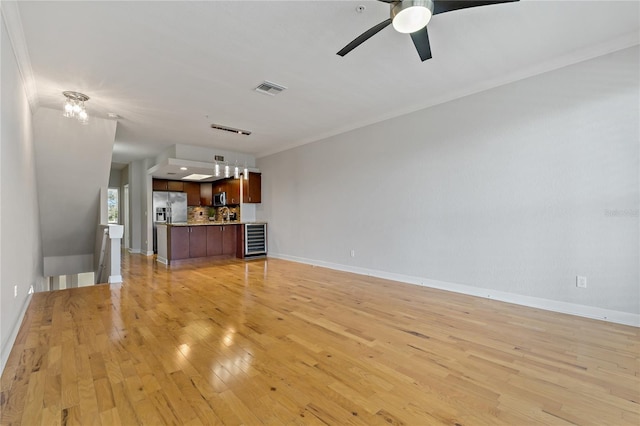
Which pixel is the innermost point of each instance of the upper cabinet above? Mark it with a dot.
(233, 191)
(168, 185)
(201, 194)
(160, 185)
(219, 186)
(175, 185)
(206, 194)
(193, 193)
(252, 188)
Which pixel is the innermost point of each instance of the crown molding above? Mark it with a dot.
(13, 23)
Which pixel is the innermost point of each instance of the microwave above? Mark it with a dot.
(220, 199)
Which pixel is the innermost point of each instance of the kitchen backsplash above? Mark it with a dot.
(202, 214)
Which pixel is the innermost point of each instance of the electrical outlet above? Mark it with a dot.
(353, 253)
(15, 291)
(581, 282)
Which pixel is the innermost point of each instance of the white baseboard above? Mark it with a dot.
(8, 344)
(115, 279)
(593, 312)
(162, 260)
(134, 251)
(149, 253)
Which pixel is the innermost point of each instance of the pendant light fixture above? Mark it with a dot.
(245, 173)
(74, 106)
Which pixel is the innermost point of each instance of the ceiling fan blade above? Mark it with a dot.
(364, 37)
(421, 41)
(442, 6)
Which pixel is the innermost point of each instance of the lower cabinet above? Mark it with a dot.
(214, 240)
(179, 242)
(229, 239)
(187, 242)
(198, 241)
(221, 239)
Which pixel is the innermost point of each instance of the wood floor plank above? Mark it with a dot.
(268, 341)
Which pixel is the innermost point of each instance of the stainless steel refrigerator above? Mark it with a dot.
(168, 207)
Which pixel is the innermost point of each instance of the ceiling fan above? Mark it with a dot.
(412, 17)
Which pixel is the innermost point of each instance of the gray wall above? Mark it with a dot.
(136, 212)
(140, 190)
(517, 190)
(20, 248)
(73, 163)
(115, 178)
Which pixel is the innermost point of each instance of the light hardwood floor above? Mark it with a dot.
(275, 342)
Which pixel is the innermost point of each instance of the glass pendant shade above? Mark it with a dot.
(74, 106)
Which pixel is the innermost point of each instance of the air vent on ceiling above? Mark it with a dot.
(230, 129)
(269, 88)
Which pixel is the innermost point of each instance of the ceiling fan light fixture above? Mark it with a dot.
(409, 16)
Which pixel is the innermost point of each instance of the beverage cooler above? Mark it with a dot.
(255, 239)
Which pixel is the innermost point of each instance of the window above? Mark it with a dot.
(112, 205)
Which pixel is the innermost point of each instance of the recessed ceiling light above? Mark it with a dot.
(196, 176)
(183, 168)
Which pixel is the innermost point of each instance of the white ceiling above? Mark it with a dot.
(170, 69)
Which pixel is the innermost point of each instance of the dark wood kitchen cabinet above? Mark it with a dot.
(233, 191)
(206, 194)
(220, 186)
(187, 242)
(197, 241)
(221, 240)
(252, 188)
(214, 240)
(160, 184)
(175, 185)
(178, 242)
(229, 239)
(167, 185)
(193, 193)
(231, 186)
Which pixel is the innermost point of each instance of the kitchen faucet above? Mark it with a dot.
(224, 211)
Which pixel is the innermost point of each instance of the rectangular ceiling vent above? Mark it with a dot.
(230, 129)
(269, 88)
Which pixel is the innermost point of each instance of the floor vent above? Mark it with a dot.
(269, 88)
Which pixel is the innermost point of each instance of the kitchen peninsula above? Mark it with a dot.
(179, 241)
